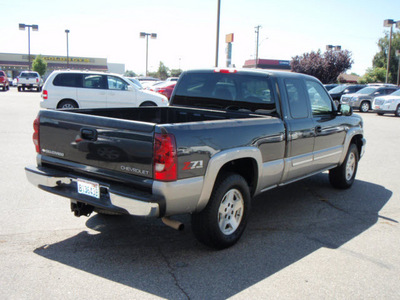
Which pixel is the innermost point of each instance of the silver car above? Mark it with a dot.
(362, 100)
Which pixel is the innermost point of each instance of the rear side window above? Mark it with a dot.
(68, 79)
(297, 101)
(94, 81)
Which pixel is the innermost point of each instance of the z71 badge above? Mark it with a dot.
(191, 165)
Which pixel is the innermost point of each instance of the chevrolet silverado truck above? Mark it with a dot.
(227, 136)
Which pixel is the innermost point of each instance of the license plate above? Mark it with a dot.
(88, 188)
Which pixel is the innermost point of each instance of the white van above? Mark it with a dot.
(85, 89)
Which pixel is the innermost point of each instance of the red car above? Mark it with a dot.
(4, 81)
(165, 88)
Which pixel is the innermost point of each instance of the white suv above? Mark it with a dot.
(85, 89)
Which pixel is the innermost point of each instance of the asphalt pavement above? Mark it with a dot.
(304, 241)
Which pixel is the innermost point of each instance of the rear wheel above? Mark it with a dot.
(148, 103)
(67, 104)
(222, 222)
(364, 107)
(343, 176)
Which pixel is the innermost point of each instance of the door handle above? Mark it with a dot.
(318, 129)
(89, 134)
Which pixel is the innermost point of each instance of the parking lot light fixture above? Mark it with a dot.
(389, 23)
(146, 35)
(22, 26)
(67, 32)
(334, 48)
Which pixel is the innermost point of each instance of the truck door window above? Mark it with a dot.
(321, 104)
(297, 103)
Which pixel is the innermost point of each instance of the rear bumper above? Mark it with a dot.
(112, 197)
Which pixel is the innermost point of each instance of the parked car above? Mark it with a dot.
(343, 89)
(29, 80)
(83, 89)
(4, 84)
(165, 88)
(330, 86)
(387, 104)
(363, 99)
(172, 79)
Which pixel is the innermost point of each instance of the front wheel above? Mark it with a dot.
(397, 112)
(364, 107)
(343, 176)
(222, 222)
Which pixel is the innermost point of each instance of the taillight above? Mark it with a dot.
(37, 80)
(165, 157)
(225, 71)
(45, 95)
(36, 136)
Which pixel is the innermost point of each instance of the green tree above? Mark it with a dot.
(325, 66)
(39, 65)
(380, 58)
(129, 73)
(176, 72)
(373, 75)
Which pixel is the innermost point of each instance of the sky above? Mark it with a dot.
(186, 29)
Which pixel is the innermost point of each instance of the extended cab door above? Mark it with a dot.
(300, 131)
(329, 128)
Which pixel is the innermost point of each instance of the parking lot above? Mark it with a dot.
(304, 241)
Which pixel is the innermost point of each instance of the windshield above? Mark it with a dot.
(367, 90)
(135, 82)
(396, 93)
(338, 89)
(28, 75)
(228, 91)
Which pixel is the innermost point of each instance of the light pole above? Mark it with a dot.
(146, 35)
(398, 66)
(34, 28)
(257, 28)
(67, 31)
(389, 23)
(217, 42)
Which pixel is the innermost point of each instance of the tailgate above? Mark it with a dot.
(100, 142)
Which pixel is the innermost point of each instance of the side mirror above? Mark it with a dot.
(345, 110)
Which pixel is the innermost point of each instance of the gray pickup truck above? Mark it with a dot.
(227, 136)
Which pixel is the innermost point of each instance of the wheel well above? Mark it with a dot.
(147, 103)
(246, 167)
(357, 141)
(64, 100)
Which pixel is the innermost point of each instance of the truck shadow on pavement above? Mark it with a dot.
(287, 224)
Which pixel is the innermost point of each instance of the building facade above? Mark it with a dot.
(272, 64)
(14, 63)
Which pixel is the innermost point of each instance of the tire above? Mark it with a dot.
(19, 89)
(222, 222)
(365, 106)
(66, 104)
(343, 176)
(380, 114)
(397, 111)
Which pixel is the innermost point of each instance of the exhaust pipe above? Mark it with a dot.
(173, 223)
